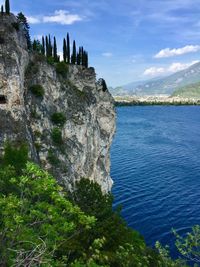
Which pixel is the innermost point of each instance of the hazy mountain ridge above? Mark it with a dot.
(166, 85)
(191, 90)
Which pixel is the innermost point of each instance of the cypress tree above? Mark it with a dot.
(68, 49)
(43, 46)
(79, 56)
(2, 11)
(23, 21)
(86, 59)
(78, 59)
(64, 50)
(7, 6)
(73, 58)
(82, 56)
(55, 53)
(50, 47)
(37, 46)
(34, 45)
(47, 46)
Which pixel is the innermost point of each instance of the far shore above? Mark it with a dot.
(155, 100)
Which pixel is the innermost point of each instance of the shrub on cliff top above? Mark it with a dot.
(37, 90)
(62, 69)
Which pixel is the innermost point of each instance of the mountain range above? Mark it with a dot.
(161, 86)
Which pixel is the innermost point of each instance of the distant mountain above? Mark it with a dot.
(189, 91)
(166, 85)
(118, 91)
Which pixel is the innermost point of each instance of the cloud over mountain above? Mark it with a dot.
(167, 52)
(174, 67)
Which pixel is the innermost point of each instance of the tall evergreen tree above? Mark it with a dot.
(43, 46)
(85, 59)
(37, 46)
(47, 46)
(79, 56)
(68, 49)
(64, 50)
(2, 10)
(23, 21)
(50, 53)
(7, 6)
(82, 56)
(78, 59)
(73, 57)
(34, 45)
(55, 52)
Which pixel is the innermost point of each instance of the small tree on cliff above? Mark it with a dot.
(68, 49)
(43, 46)
(55, 53)
(24, 23)
(50, 48)
(64, 50)
(47, 45)
(73, 58)
(7, 6)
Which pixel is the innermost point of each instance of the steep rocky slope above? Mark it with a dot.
(86, 136)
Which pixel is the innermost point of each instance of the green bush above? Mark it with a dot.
(31, 69)
(38, 222)
(62, 69)
(43, 225)
(58, 118)
(56, 136)
(50, 60)
(15, 155)
(37, 90)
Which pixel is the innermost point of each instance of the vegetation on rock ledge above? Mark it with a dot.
(43, 225)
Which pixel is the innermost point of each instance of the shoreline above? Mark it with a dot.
(155, 101)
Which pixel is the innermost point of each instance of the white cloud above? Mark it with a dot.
(62, 17)
(33, 20)
(180, 66)
(107, 54)
(174, 67)
(153, 71)
(167, 52)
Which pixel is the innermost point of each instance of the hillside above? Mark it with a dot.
(166, 85)
(60, 110)
(189, 91)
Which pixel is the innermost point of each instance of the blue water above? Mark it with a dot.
(156, 169)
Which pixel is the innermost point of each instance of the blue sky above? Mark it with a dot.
(127, 40)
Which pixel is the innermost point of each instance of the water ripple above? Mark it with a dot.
(156, 169)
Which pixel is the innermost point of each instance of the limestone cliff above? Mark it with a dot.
(89, 111)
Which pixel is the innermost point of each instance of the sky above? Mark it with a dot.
(127, 40)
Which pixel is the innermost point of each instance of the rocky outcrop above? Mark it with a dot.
(85, 137)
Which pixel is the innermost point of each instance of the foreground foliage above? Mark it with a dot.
(42, 225)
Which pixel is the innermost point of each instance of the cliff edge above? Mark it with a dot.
(80, 145)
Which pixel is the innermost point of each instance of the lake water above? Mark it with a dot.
(156, 169)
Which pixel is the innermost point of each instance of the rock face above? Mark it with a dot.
(80, 147)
